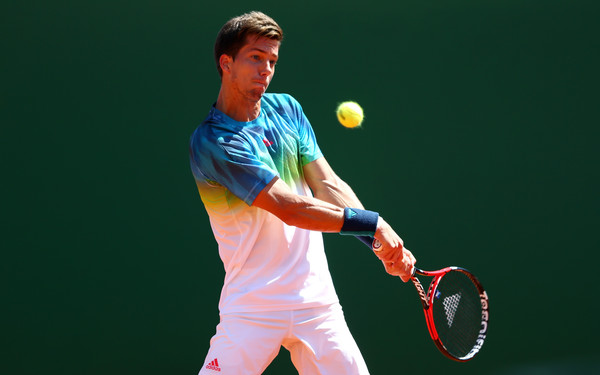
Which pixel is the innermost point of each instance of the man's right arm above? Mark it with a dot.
(300, 211)
(315, 214)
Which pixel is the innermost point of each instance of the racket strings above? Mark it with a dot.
(457, 313)
(450, 306)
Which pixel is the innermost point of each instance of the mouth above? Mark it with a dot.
(261, 82)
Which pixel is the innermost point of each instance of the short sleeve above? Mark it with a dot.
(232, 162)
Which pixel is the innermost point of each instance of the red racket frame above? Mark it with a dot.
(426, 298)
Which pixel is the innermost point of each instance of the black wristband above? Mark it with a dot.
(367, 240)
(359, 222)
(371, 242)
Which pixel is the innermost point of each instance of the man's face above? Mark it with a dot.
(254, 66)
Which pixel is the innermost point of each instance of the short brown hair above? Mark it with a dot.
(233, 34)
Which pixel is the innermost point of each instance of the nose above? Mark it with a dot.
(267, 69)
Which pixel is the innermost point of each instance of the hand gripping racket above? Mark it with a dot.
(456, 311)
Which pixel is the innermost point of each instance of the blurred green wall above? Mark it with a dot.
(480, 147)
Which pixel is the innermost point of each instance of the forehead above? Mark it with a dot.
(262, 44)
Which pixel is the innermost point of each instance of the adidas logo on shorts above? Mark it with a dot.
(214, 365)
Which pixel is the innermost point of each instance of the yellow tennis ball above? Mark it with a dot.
(350, 114)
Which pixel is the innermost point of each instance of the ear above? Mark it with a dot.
(225, 63)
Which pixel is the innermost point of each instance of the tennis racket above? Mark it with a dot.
(456, 311)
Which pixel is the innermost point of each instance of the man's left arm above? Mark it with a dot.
(327, 186)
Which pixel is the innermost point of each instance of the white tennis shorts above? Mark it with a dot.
(318, 340)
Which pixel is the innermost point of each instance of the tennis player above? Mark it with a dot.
(270, 194)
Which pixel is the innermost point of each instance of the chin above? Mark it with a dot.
(256, 94)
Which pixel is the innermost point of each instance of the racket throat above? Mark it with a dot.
(422, 295)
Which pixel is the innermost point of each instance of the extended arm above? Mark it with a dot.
(325, 212)
(298, 210)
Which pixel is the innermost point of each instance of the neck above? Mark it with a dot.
(238, 108)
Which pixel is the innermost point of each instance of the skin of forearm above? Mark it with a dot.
(311, 213)
(298, 210)
(338, 193)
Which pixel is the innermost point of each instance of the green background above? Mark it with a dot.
(480, 146)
